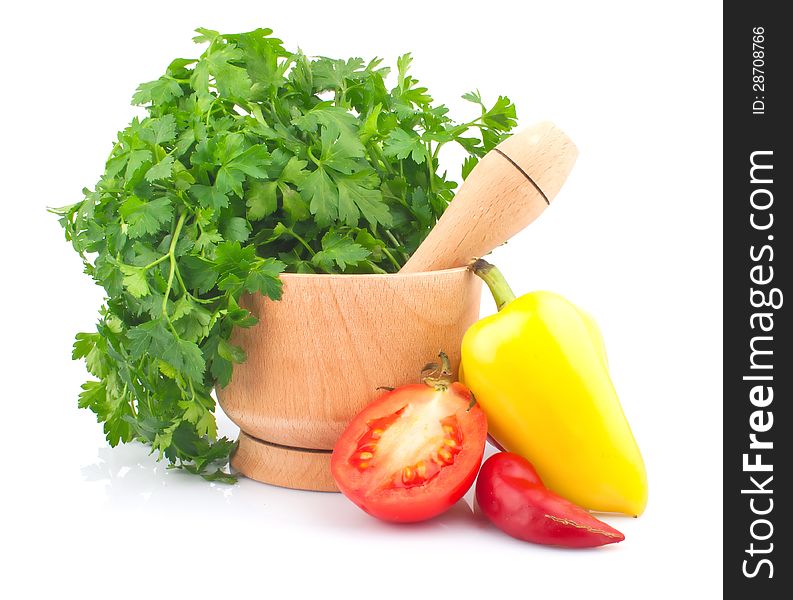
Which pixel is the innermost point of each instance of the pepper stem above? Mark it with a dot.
(490, 274)
(437, 375)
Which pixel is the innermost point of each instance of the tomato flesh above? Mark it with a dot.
(411, 446)
(412, 453)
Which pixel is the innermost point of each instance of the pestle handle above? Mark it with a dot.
(509, 188)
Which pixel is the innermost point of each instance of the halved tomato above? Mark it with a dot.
(413, 452)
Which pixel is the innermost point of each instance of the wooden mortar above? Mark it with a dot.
(319, 354)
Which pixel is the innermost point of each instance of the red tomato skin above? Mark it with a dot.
(511, 495)
(434, 497)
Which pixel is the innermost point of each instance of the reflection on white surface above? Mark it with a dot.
(132, 480)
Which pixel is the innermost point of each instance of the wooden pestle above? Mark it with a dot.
(507, 190)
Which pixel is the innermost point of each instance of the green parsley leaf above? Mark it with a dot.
(161, 170)
(145, 218)
(209, 197)
(159, 130)
(236, 229)
(339, 250)
(135, 280)
(358, 195)
(322, 196)
(402, 144)
(159, 91)
(261, 199)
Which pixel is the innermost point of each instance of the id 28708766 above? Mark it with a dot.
(758, 70)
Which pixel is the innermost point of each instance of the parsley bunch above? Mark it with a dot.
(253, 160)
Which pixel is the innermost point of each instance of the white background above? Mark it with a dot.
(634, 237)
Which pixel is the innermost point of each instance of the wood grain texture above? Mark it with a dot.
(545, 153)
(498, 200)
(286, 467)
(318, 355)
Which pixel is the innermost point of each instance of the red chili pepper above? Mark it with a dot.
(511, 494)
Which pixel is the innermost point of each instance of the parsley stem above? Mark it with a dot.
(312, 157)
(131, 402)
(207, 300)
(181, 282)
(431, 167)
(378, 154)
(391, 258)
(437, 151)
(470, 123)
(274, 113)
(375, 268)
(400, 199)
(155, 262)
(209, 111)
(399, 245)
(300, 239)
(172, 255)
(191, 296)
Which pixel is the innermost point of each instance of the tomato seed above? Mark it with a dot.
(407, 475)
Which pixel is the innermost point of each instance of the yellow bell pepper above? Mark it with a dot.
(538, 369)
